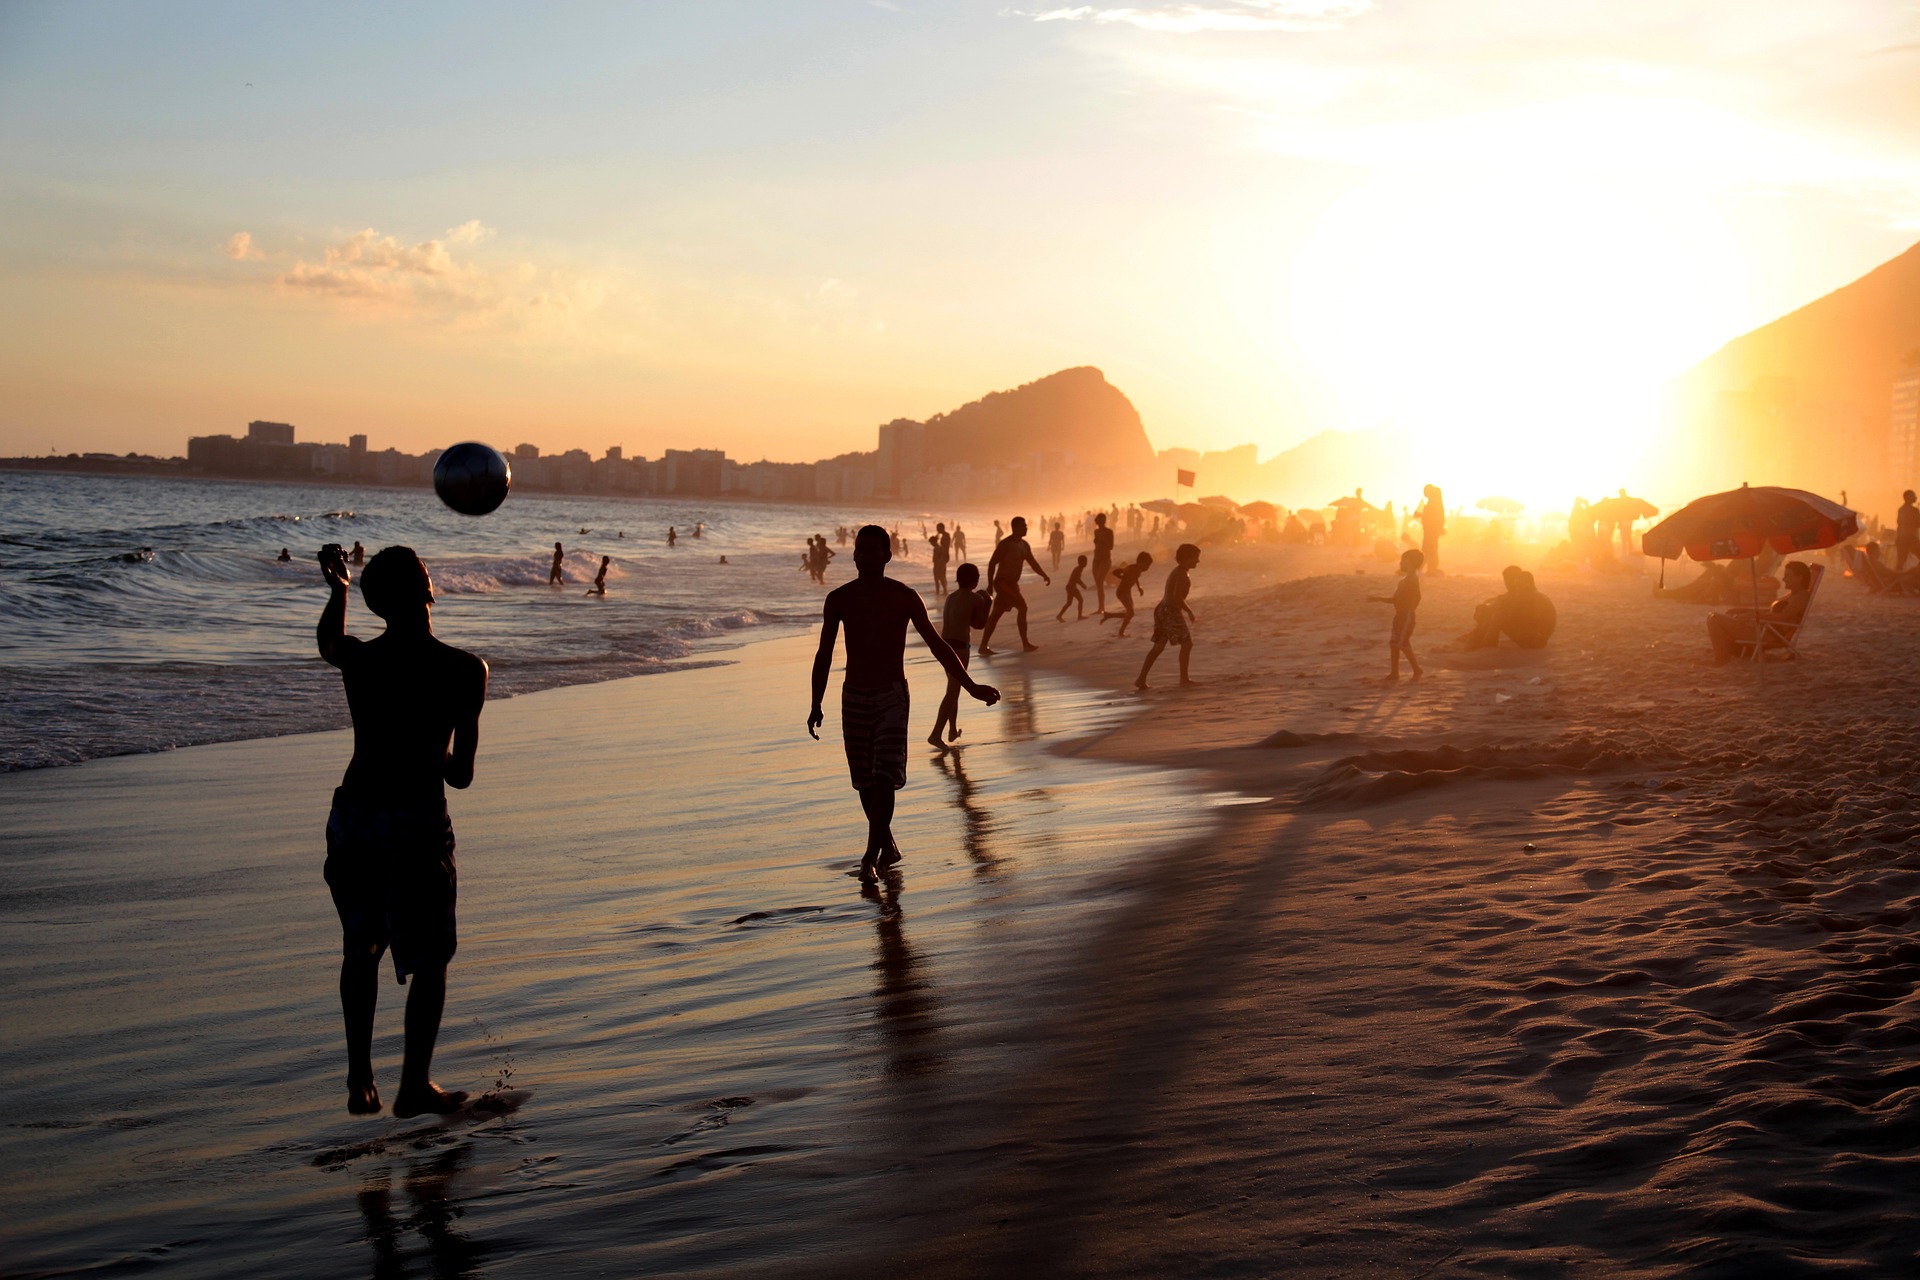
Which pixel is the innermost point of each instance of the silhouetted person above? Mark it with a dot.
(964, 612)
(1521, 611)
(359, 553)
(285, 556)
(1405, 600)
(559, 558)
(1432, 516)
(599, 587)
(1171, 615)
(1056, 543)
(673, 537)
(699, 526)
(959, 542)
(416, 726)
(942, 545)
(1906, 536)
(1102, 561)
(1003, 571)
(873, 700)
(1126, 579)
(1076, 593)
(1729, 632)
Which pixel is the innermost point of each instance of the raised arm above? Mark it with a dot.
(938, 646)
(458, 768)
(823, 665)
(331, 635)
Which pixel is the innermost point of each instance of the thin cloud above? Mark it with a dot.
(1189, 19)
(240, 247)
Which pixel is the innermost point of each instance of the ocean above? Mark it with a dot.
(141, 614)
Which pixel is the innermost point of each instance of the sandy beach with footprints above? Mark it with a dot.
(1588, 961)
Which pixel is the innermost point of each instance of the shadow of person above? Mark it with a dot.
(1017, 699)
(433, 1215)
(905, 1008)
(978, 823)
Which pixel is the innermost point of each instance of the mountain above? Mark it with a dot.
(1074, 411)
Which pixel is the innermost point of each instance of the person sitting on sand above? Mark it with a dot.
(559, 556)
(1126, 579)
(415, 703)
(964, 612)
(1736, 629)
(599, 587)
(1076, 593)
(1293, 533)
(873, 699)
(1521, 611)
(1010, 555)
(1171, 615)
(1405, 600)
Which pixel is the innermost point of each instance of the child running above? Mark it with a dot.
(964, 613)
(1405, 599)
(1171, 615)
(1076, 593)
(1126, 580)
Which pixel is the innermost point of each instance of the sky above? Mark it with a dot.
(769, 227)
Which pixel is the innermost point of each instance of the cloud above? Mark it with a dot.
(240, 247)
(472, 231)
(1187, 19)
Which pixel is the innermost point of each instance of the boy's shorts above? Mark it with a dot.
(1170, 625)
(393, 881)
(1402, 628)
(873, 723)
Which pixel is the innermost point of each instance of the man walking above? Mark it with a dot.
(1003, 571)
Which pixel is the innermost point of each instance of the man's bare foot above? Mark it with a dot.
(1187, 684)
(430, 1101)
(363, 1097)
(985, 652)
(1028, 647)
(1394, 678)
(933, 739)
(888, 857)
(953, 734)
(1141, 685)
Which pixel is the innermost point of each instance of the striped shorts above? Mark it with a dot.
(874, 724)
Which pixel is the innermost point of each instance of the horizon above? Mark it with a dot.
(770, 230)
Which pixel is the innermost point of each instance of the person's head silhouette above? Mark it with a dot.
(872, 548)
(396, 586)
(968, 576)
(1410, 560)
(1019, 526)
(1101, 519)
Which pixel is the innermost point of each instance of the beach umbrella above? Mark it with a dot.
(1501, 506)
(1734, 526)
(1220, 502)
(1260, 510)
(1162, 507)
(1349, 500)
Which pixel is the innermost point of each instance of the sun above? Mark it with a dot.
(1518, 328)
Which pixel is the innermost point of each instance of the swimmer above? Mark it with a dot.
(599, 587)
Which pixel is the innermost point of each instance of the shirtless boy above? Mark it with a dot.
(1003, 571)
(1171, 615)
(416, 725)
(873, 701)
(963, 613)
(1076, 593)
(1126, 580)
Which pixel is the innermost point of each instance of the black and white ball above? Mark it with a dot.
(472, 478)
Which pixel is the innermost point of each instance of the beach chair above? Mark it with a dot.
(1780, 641)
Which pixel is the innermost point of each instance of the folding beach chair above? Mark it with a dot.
(1774, 639)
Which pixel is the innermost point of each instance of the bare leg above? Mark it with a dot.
(419, 1095)
(993, 620)
(1186, 653)
(948, 715)
(359, 996)
(881, 851)
(1159, 646)
(1020, 620)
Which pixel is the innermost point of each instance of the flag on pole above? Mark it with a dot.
(1183, 478)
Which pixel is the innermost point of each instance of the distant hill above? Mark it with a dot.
(1074, 411)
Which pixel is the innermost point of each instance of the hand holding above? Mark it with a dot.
(986, 693)
(814, 721)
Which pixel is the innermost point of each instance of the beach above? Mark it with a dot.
(1592, 960)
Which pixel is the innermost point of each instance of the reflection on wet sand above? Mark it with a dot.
(978, 822)
(903, 1002)
(450, 1252)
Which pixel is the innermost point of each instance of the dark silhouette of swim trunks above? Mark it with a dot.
(394, 884)
(873, 723)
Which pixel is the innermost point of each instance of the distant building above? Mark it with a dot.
(692, 470)
(527, 452)
(1903, 438)
(902, 454)
(270, 432)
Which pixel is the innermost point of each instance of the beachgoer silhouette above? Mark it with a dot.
(1405, 600)
(599, 587)
(1171, 615)
(1057, 543)
(959, 542)
(723, 559)
(1102, 560)
(1432, 516)
(1521, 611)
(1003, 572)
(1729, 632)
(673, 537)
(1076, 593)
(359, 554)
(963, 613)
(698, 526)
(1906, 536)
(285, 556)
(559, 556)
(876, 611)
(942, 545)
(416, 704)
(1125, 579)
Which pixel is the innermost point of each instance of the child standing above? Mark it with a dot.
(1076, 594)
(1405, 599)
(1171, 615)
(964, 613)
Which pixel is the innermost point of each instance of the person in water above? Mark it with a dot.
(1171, 615)
(415, 703)
(963, 613)
(942, 544)
(876, 611)
(1003, 571)
(1405, 600)
(1126, 580)
(1076, 593)
(285, 556)
(599, 587)
(559, 558)
(672, 536)
(359, 553)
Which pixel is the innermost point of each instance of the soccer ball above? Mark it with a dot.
(472, 478)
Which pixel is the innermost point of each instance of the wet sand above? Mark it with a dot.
(706, 1048)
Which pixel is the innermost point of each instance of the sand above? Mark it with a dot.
(1590, 961)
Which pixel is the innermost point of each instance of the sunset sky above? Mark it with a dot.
(770, 226)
